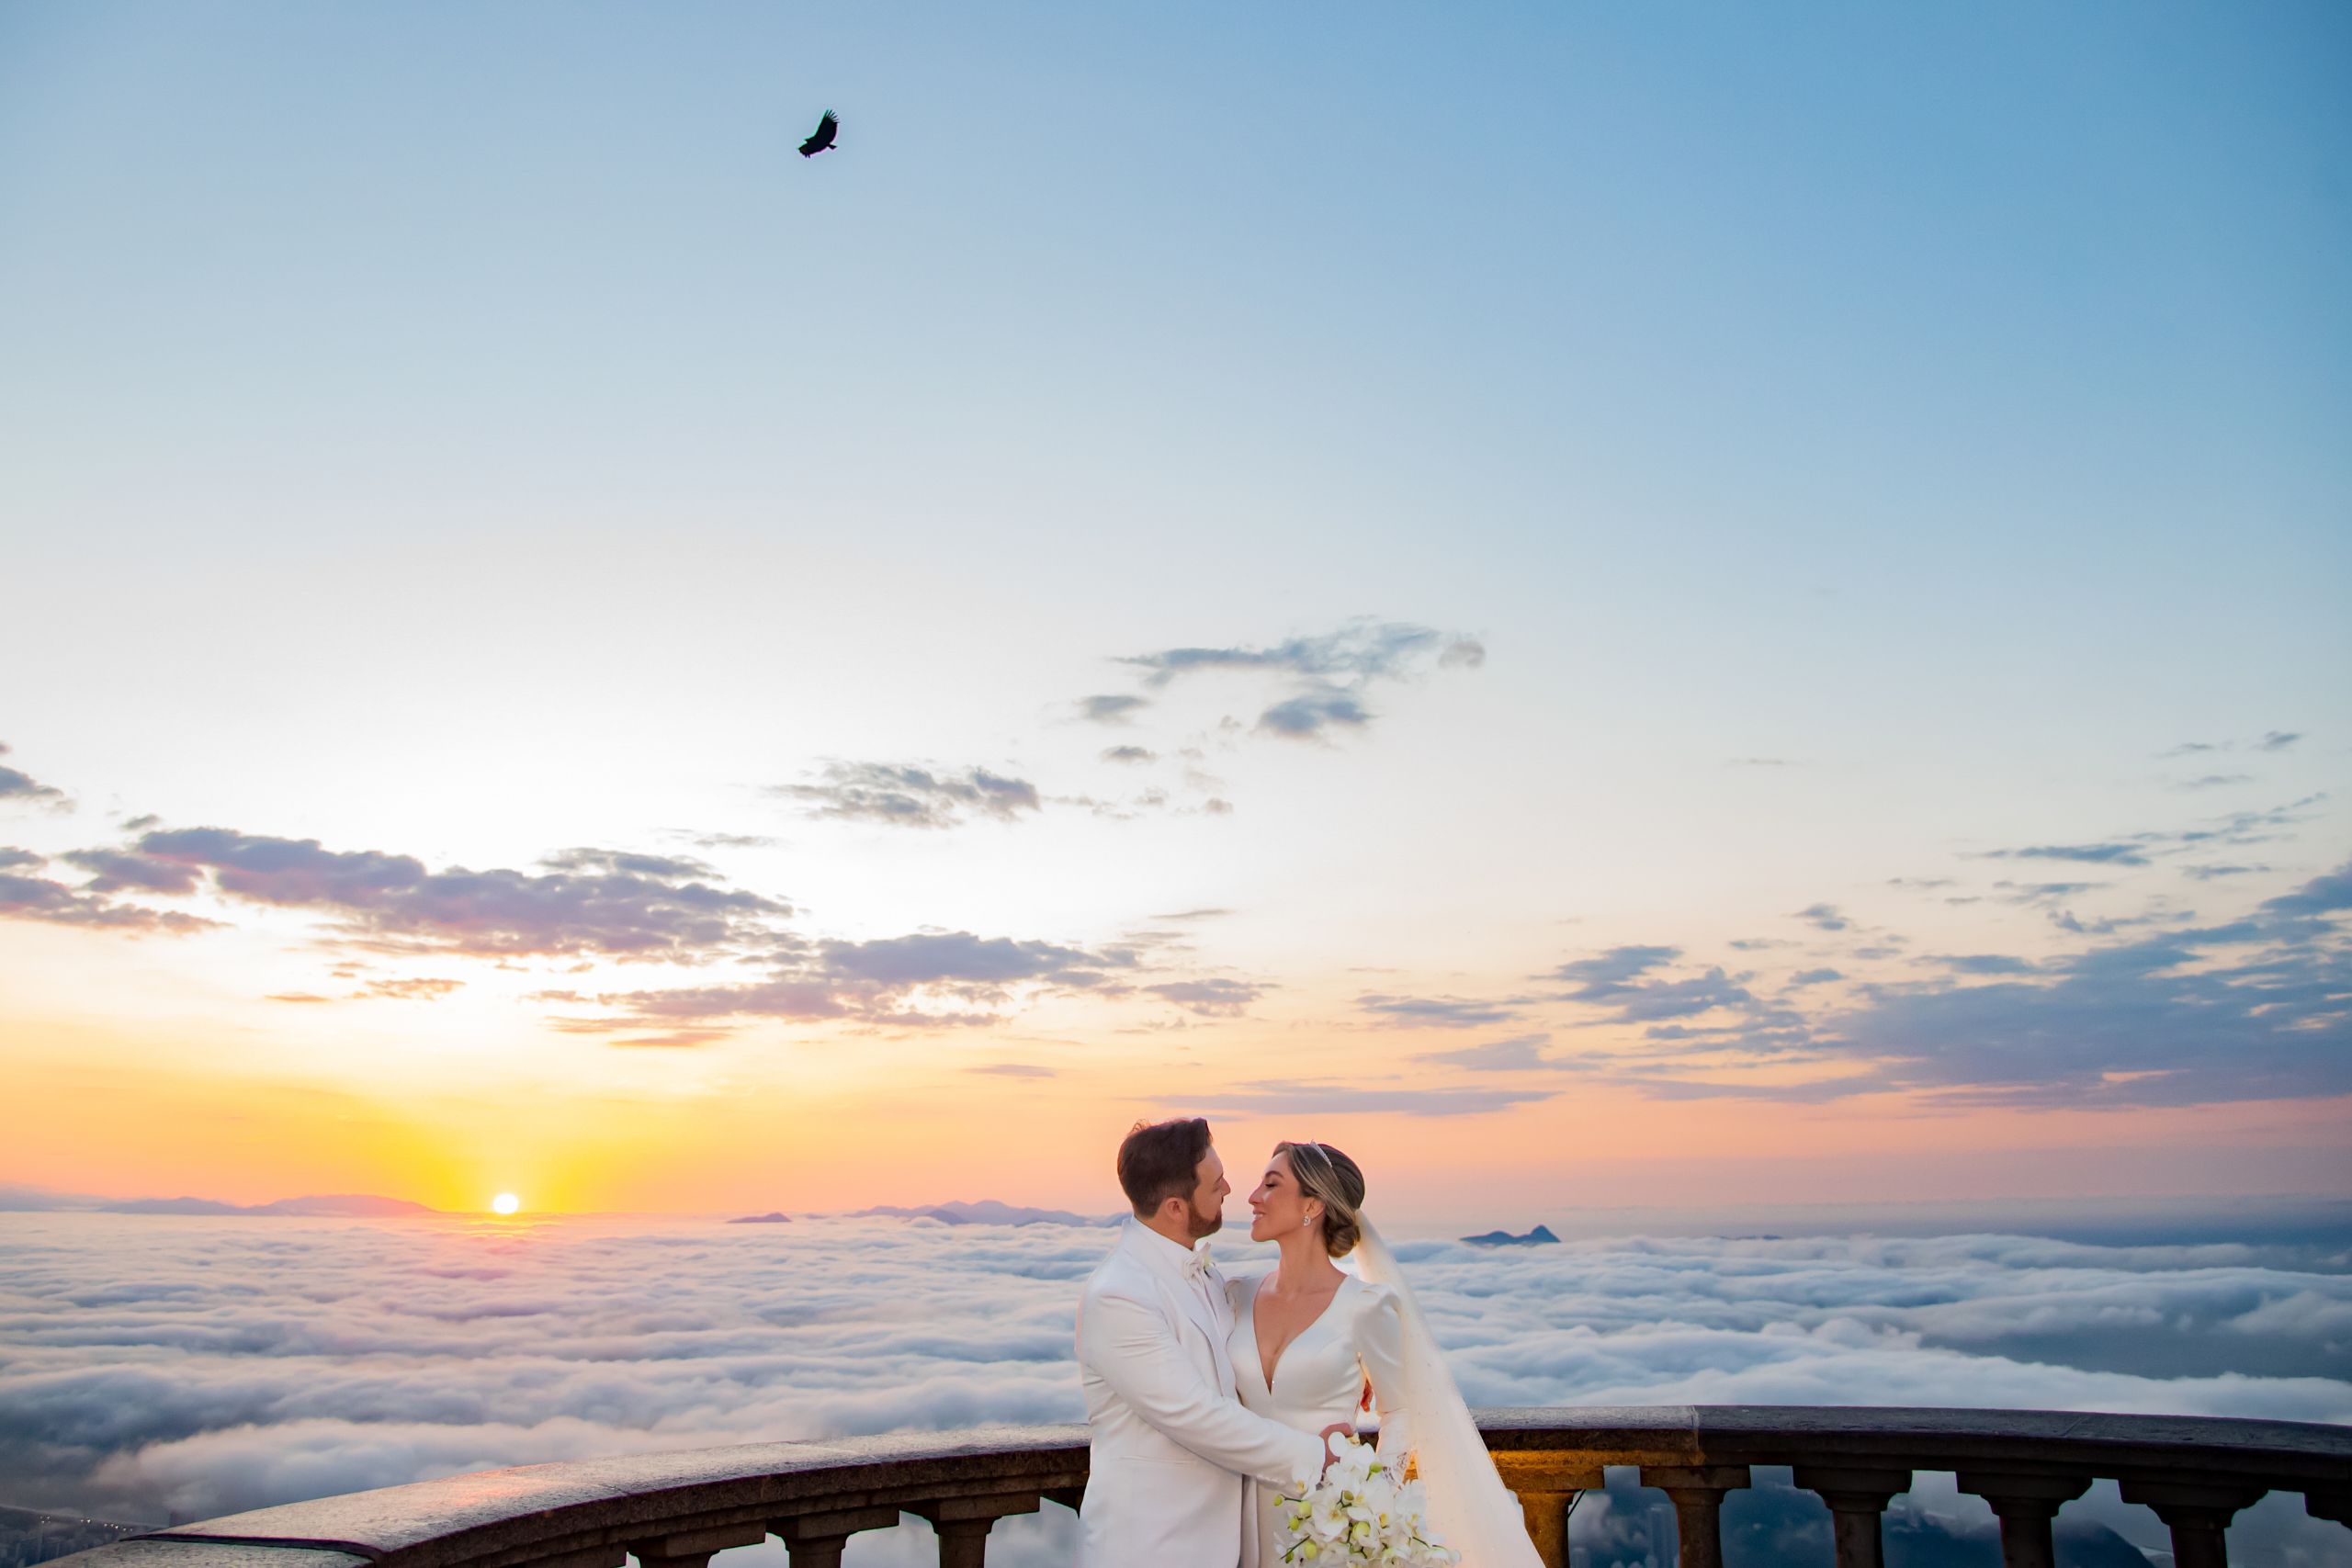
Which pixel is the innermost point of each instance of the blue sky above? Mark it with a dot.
(1858, 444)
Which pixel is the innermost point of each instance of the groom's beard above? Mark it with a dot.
(1207, 1225)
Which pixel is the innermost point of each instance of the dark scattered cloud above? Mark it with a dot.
(1825, 916)
(607, 901)
(1617, 965)
(2258, 1008)
(1436, 1012)
(116, 870)
(1984, 963)
(1311, 715)
(39, 898)
(1520, 1053)
(731, 840)
(1924, 884)
(2209, 873)
(1327, 673)
(16, 786)
(1814, 976)
(929, 979)
(2089, 854)
(1285, 1098)
(1112, 708)
(902, 795)
(2213, 781)
(1129, 754)
(1209, 998)
(2044, 892)
(12, 858)
(2276, 741)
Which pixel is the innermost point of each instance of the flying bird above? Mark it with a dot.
(824, 137)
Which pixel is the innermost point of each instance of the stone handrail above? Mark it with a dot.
(674, 1510)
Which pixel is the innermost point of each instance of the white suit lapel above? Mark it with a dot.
(1201, 1301)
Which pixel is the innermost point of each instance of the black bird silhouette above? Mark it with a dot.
(824, 137)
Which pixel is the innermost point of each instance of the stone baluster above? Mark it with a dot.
(2026, 1503)
(2197, 1516)
(694, 1549)
(1698, 1492)
(815, 1541)
(1547, 1487)
(1856, 1499)
(963, 1524)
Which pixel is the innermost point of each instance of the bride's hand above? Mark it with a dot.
(1336, 1426)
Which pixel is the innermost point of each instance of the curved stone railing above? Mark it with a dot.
(673, 1510)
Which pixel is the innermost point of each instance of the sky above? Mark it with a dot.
(1597, 604)
(161, 1365)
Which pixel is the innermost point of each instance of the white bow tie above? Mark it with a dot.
(1198, 1268)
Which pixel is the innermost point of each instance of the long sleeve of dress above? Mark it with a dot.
(1129, 1345)
(1379, 1334)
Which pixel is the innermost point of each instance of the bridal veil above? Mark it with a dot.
(1468, 1505)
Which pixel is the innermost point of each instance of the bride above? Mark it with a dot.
(1312, 1345)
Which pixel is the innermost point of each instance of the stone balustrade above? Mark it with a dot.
(674, 1510)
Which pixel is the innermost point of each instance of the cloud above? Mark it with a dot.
(929, 979)
(1985, 964)
(1209, 998)
(1285, 1098)
(624, 905)
(1310, 716)
(1758, 763)
(14, 785)
(1113, 709)
(1195, 915)
(37, 898)
(2320, 895)
(1814, 976)
(215, 1365)
(296, 997)
(2209, 873)
(1825, 916)
(1617, 965)
(901, 795)
(1436, 1012)
(1613, 981)
(414, 990)
(1327, 673)
(117, 871)
(1014, 1070)
(2090, 854)
(1520, 1053)
(1129, 754)
(2276, 741)
(12, 859)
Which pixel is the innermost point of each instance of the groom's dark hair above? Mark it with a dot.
(1160, 1160)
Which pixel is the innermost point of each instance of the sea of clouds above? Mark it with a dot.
(163, 1366)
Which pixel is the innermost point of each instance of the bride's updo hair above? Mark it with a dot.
(1330, 1177)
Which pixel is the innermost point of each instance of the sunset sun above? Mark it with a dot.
(505, 1203)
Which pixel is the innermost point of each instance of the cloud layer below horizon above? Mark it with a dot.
(209, 1366)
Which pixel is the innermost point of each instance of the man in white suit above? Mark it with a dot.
(1172, 1444)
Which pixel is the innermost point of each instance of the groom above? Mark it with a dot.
(1171, 1446)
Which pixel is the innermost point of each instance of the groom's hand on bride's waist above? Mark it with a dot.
(1335, 1428)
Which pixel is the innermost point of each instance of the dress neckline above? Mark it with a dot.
(1264, 1377)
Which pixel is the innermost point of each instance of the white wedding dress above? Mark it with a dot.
(1374, 1333)
(1319, 1377)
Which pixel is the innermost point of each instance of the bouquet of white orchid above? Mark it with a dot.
(1361, 1511)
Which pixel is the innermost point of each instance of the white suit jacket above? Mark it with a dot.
(1172, 1444)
